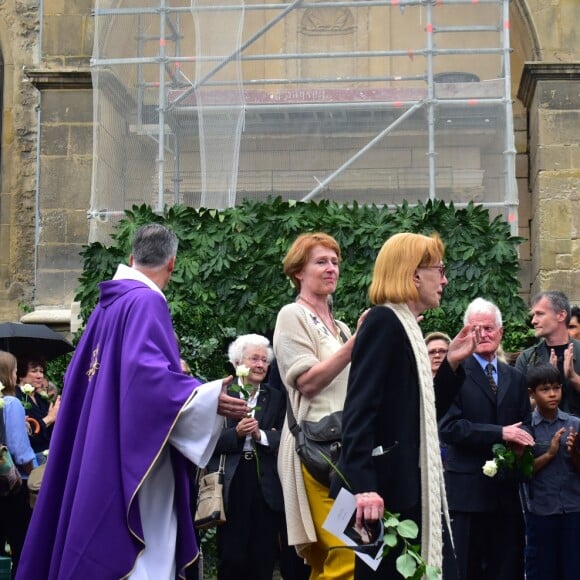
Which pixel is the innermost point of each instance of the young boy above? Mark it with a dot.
(553, 494)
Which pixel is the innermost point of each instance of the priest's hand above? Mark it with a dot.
(232, 407)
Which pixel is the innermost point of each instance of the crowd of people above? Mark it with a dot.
(421, 416)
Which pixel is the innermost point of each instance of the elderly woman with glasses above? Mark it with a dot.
(248, 542)
(390, 448)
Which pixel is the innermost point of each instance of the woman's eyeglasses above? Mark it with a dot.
(441, 267)
(437, 352)
(257, 359)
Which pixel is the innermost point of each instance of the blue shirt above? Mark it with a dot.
(16, 434)
(483, 362)
(555, 489)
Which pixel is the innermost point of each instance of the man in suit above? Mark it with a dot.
(248, 542)
(486, 514)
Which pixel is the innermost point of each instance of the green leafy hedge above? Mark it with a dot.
(228, 278)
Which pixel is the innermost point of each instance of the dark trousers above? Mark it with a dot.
(387, 568)
(552, 548)
(248, 542)
(292, 567)
(489, 546)
(15, 516)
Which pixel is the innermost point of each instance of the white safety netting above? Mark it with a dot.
(208, 102)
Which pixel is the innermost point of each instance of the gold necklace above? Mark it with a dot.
(333, 333)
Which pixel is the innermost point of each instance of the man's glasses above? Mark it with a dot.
(437, 352)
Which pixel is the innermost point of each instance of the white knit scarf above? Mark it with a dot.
(433, 499)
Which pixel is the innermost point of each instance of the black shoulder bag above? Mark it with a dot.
(317, 443)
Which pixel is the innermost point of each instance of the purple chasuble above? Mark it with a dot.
(123, 392)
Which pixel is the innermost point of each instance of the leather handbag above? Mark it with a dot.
(210, 510)
(10, 480)
(317, 443)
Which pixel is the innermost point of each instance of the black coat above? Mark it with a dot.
(382, 408)
(471, 427)
(270, 413)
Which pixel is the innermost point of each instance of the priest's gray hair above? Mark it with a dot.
(153, 246)
(482, 306)
(237, 348)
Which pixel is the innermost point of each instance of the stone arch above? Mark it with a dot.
(524, 27)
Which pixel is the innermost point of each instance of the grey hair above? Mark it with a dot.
(482, 306)
(153, 246)
(237, 348)
(558, 301)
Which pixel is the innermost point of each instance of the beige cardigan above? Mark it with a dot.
(298, 345)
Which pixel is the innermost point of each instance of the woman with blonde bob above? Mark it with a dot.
(313, 355)
(390, 448)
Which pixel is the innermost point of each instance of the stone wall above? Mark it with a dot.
(19, 32)
(551, 93)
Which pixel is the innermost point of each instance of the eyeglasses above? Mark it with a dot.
(437, 351)
(256, 359)
(441, 267)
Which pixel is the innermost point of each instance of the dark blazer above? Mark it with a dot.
(270, 415)
(471, 427)
(39, 441)
(382, 408)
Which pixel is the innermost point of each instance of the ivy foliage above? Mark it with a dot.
(228, 278)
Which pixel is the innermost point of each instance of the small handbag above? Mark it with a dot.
(210, 510)
(10, 480)
(317, 443)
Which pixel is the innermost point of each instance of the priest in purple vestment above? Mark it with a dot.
(114, 502)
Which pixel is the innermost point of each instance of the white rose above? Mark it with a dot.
(242, 371)
(1, 387)
(490, 468)
(27, 389)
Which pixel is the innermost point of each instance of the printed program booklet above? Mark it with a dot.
(341, 523)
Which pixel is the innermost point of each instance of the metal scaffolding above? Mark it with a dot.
(209, 103)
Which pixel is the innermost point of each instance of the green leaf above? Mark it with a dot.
(408, 529)
(390, 540)
(406, 565)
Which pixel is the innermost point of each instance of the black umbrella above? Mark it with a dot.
(33, 339)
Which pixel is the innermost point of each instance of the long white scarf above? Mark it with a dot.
(433, 498)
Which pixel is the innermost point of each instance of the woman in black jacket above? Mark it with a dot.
(390, 450)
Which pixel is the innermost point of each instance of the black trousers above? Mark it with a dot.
(387, 568)
(15, 513)
(489, 546)
(248, 542)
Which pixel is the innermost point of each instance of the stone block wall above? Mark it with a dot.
(551, 93)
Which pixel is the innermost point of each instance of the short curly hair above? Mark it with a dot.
(238, 347)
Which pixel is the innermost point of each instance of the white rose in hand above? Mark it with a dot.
(242, 371)
(27, 389)
(490, 468)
